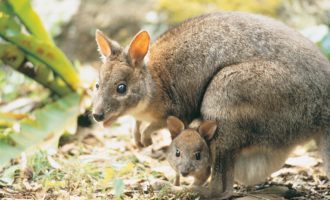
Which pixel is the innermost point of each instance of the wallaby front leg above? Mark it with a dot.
(146, 136)
(177, 179)
(229, 158)
(222, 177)
(137, 134)
(216, 183)
(201, 178)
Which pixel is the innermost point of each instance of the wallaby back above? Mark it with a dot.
(185, 59)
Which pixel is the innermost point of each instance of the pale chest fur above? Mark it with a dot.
(140, 112)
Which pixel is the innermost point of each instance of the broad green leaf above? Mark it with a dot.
(13, 116)
(7, 152)
(30, 19)
(8, 119)
(8, 176)
(47, 77)
(44, 130)
(7, 14)
(11, 55)
(14, 57)
(44, 52)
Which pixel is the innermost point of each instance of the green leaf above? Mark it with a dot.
(14, 57)
(7, 119)
(30, 19)
(8, 176)
(118, 187)
(11, 55)
(47, 78)
(44, 52)
(44, 130)
(47, 54)
(7, 15)
(325, 45)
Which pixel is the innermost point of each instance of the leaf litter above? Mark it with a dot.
(103, 163)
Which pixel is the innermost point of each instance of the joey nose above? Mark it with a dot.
(184, 174)
(98, 116)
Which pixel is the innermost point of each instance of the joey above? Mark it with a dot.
(189, 154)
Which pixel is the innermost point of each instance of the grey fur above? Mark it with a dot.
(264, 83)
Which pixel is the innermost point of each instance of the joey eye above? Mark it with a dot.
(97, 86)
(121, 88)
(177, 153)
(198, 155)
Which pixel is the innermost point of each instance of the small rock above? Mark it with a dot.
(302, 161)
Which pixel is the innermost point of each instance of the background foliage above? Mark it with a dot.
(27, 47)
(183, 9)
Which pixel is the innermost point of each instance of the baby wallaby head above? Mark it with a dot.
(189, 152)
(122, 77)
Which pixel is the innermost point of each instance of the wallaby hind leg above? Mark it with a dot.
(255, 164)
(324, 144)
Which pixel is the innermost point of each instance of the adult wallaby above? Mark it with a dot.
(265, 84)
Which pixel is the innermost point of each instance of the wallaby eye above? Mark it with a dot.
(177, 153)
(198, 155)
(121, 88)
(97, 86)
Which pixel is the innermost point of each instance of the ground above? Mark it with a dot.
(103, 163)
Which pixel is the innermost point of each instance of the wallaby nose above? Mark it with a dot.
(184, 174)
(98, 116)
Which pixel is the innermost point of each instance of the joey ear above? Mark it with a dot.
(207, 129)
(106, 46)
(175, 126)
(139, 47)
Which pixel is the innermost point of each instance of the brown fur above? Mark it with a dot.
(266, 85)
(188, 142)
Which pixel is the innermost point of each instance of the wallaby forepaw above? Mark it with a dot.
(138, 144)
(146, 141)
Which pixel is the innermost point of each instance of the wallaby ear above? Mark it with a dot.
(207, 129)
(139, 47)
(175, 126)
(106, 46)
(103, 44)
